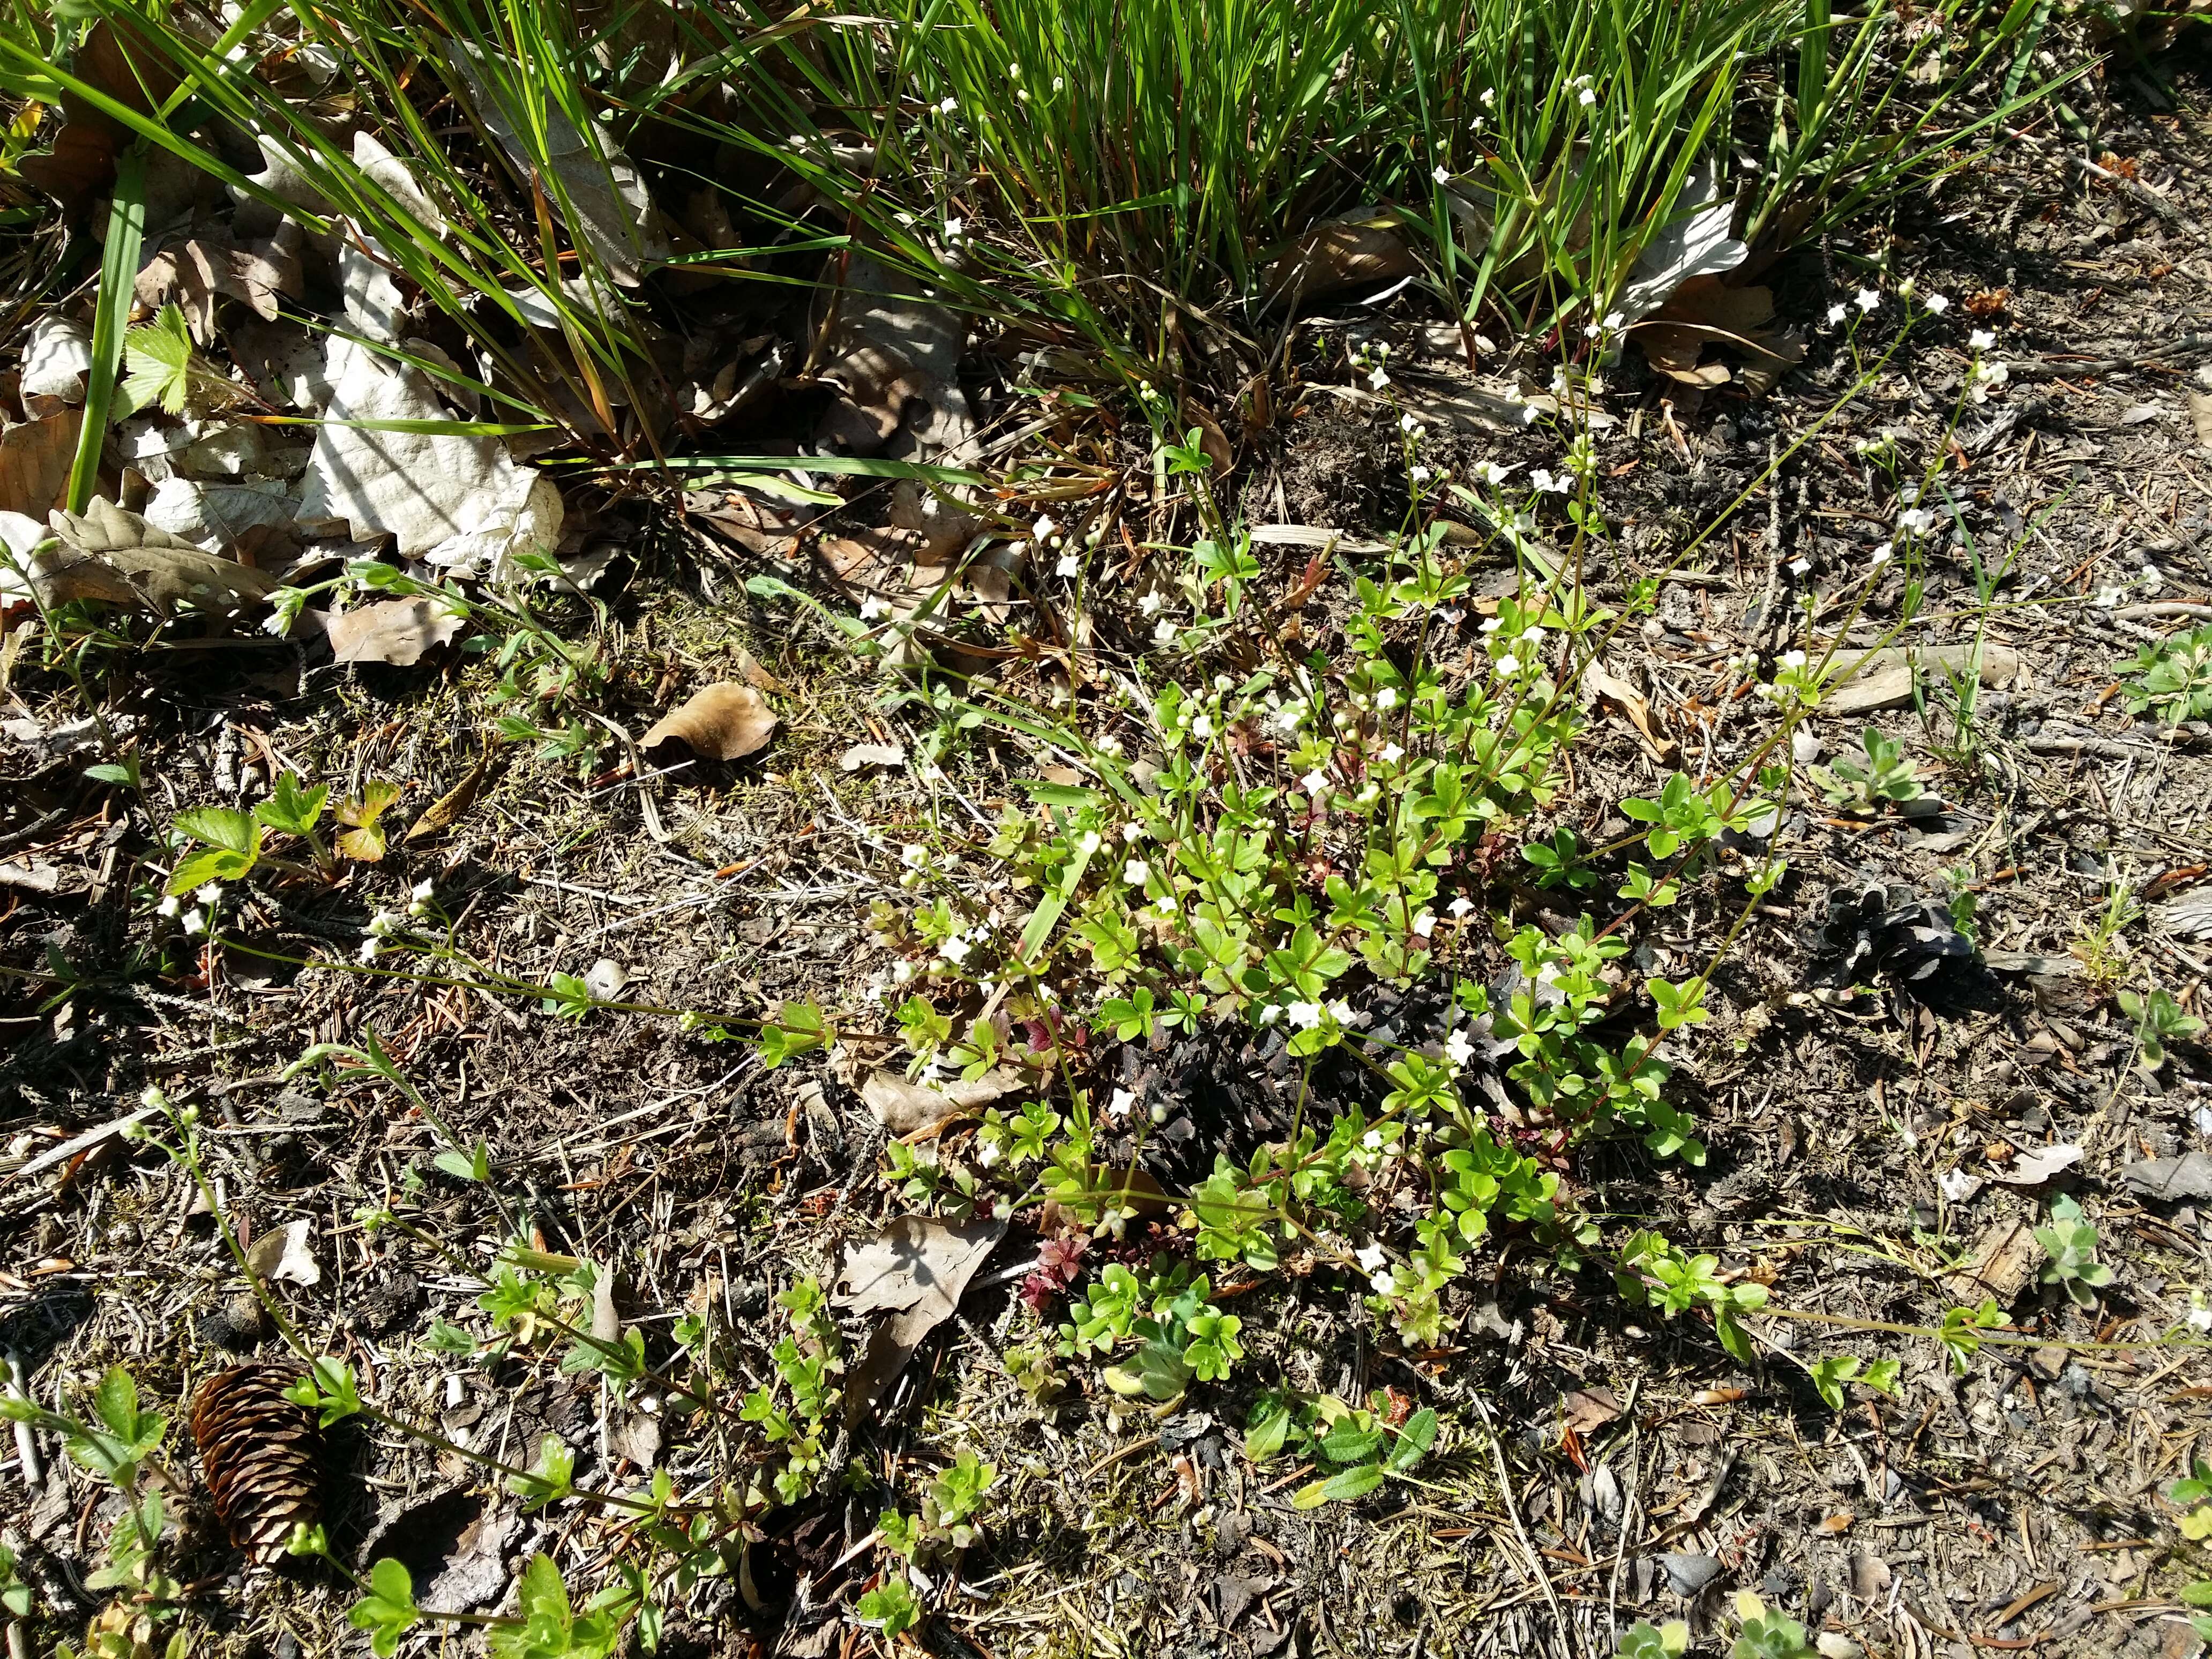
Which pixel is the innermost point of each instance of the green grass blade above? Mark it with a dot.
(119, 281)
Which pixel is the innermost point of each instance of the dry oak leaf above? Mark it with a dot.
(459, 502)
(109, 554)
(725, 721)
(395, 631)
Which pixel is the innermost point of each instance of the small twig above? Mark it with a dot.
(1513, 1513)
(2049, 369)
(27, 1443)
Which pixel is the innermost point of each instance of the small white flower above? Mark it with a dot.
(195, 923)
(1490, 473)
(1136, 873)
(1391, 753)
(1982, 339)
(367, 952)
(1120, 1105)
(1442, 175)
(1533, 638)
(1373, 1142)
(1202, 727)
(1340, 1011)
(913, 855)
(1881, 556)
(1410, 425)
(1315, 781)
(1150, 603)
(1791, 660)
(948, 106)
(1509, 664)
(1068, 565)
(874, 607)
(1836, 314)
(2199, 1316)
(2153, 578)
(953, 228)
(1386, 697)
(1304, 1015)
(1613, 319)
(1371, 1257)
(1425, 923)
(1044, 526)
(1489, 97)
(1529, 414)
(1163, 632)
(1270, 1014)
(422, 890)
(2106, 598)
(1378, 379)
(1386, 1284)
(1586, 97)
(955, 949)
(1937, 304)
(1868, 299)
(1421, 474)
(1916, 520)
(1457, 1050)
(1133, 832)
(1460, 906)
(989, 1152)
(169, 907)
(1800, 567)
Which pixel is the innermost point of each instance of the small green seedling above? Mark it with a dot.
(1830, 1374)
(1775, 1636)
(2172, 679)
(2193, 1496)
(1884, 775)
(2159, 1020)
(2071, 1243)
(1643, 1640)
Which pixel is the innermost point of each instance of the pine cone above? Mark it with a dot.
(263, 1455)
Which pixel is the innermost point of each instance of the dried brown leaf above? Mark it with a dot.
(1338, 255)
(395, 631)
(194, 274)
(725, 721)
(914, 1273)
(34, 463)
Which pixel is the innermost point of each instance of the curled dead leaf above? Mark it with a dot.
(906, 1108)
(725, 721)
(283, 1255)
(115, 556)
